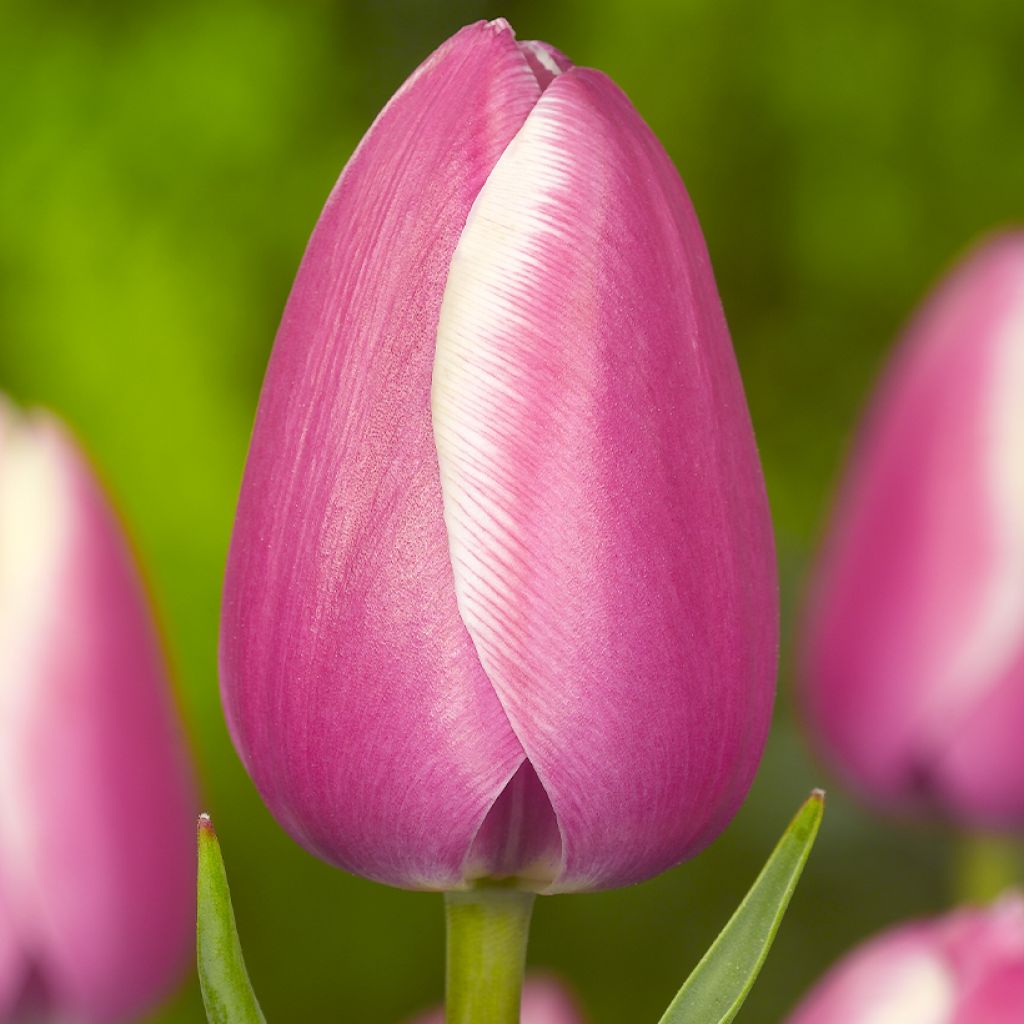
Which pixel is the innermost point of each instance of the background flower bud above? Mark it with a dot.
(545, 1001)
(964, 968)
(96, 798)
(914, 666)
(501, 594)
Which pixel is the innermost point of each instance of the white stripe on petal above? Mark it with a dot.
(542, 54)
(919, 991)
(483, 399)
(35, 534)
(994, 642)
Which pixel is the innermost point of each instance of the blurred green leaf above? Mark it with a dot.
(227, 993)
(715, 991)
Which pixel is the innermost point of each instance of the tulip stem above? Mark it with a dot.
(487, 932)
(984, 866)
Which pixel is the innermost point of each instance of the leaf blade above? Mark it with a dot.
(227, 992)
(721, 981)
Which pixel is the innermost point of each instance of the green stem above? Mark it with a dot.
(487, 932)
(985, 865)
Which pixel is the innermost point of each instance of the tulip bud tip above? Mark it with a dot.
(818, 794)
(205, 824)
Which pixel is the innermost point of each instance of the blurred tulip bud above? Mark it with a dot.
(96, 856)
(501, 595)
(545, 1001)
(964, 968)
(915, 642)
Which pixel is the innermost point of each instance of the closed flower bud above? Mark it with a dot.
(964, 968)
(97, 905)
(501, 596)
(914, 660)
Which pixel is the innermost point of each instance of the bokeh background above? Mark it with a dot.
(162, 166)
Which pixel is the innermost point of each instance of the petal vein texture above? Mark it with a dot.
(604, 506)
(366, 719)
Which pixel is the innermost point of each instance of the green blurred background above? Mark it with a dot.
(163, 165)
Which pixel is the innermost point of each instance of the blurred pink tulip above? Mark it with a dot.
(545, 1001)
(501, 595)
(964, 968)
(914, 681)
(96, 857)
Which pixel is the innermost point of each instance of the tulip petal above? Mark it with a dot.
(545, 61)
(998, 999)
(966, 967)
(606, 516)
(896, 979)
(914, 655)
(95, 793)
(351, 687)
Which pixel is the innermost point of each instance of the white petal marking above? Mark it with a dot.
(920, 991)
(544, 58)
(485, 384)
(35, 533)
(993, 643)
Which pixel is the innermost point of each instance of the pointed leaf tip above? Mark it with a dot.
(227, 992)
(719, 984)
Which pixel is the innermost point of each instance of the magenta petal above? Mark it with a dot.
(605, 510)
(96, 798)
(899, 976)
(997, 999)
(966, 967)
(914, 658)
(351, 686)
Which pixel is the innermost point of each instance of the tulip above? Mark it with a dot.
(545, 1001)
(96, 798)
(501, 600)
(914, 655)
(966, 967)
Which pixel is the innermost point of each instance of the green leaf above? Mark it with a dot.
(227, 994)
(715, 991)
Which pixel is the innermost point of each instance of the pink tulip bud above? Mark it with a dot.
(964, 968)
(915, 641)
(96, 859)
(545, 1001)
(501, 594)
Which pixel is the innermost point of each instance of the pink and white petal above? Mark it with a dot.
(898, 978)
(978, 773)
(547, 1001)
(34, 533)
(997, 999)
(605, 511)
(974, 940)
(918, 604)
(547, 62)
(350, 684)
(97, 817)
